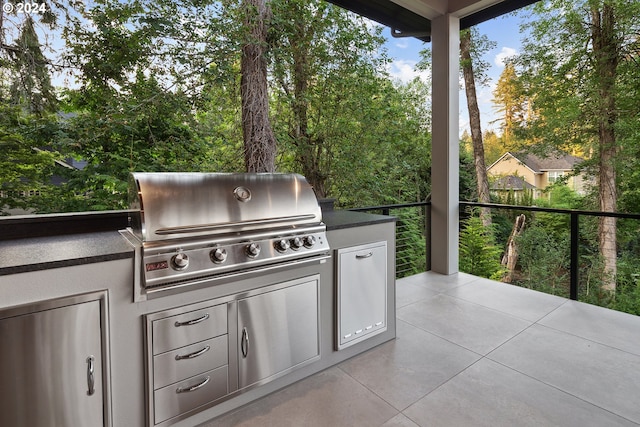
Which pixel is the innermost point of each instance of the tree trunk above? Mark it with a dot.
(474, 123)
(510, 257)
(606, 53)
(309, 149)
(259, 140)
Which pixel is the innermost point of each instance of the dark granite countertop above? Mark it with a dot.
(41, 253)
(339, 219)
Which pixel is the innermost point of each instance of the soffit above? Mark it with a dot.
(412, 18)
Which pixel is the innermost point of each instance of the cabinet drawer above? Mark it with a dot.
(170, 402)
(187, 328)
(188, 361)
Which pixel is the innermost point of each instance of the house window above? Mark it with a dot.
(555, 176)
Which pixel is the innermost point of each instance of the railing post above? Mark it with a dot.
(575, 232)
(427, 235)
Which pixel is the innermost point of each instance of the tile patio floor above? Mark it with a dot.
(474, 352)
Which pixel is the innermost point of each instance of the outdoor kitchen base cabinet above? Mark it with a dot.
(201, 354)
(52, 367)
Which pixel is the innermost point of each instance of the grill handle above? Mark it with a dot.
(212, 227)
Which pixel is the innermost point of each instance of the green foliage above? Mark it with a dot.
(25, 169)
(411, 246)
(543, 259)
(479, 255)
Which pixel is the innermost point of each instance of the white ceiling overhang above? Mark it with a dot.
(412, 18)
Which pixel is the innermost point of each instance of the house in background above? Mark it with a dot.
(518, 172)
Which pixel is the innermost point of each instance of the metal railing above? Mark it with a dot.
(414, 219)
(574, 215)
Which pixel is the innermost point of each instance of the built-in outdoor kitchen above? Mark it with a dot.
(218, 290)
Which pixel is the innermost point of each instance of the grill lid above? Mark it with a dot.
(188, 205)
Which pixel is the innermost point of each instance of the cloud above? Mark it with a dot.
(402, 44)
(505, 53)
(405, 71)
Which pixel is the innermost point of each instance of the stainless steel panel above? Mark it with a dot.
(181, 205)
(185, 362)
(188, 328)
(45, 376)
(277, 331)
(174, 400)
(362, 292)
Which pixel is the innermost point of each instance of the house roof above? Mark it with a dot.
(539, 164)
(511, 182)
(412, 18)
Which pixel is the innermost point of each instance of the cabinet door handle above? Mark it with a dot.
(193, 388)
(244, 342)
(90, 377)
(367, 255)
(192, 355)
(192, 322)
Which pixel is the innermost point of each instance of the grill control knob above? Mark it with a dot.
(282, 245)
(253, 250)
(296, 243)
(218, 255)
(309, 241)
(180, 261)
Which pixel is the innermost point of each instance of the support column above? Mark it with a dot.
(445, 150)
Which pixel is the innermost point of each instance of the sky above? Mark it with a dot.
(503, 30)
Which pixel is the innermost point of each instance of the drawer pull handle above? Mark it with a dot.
(362, 256)
(244, 342)
(193, 388)
(192, 355)
(193, 322)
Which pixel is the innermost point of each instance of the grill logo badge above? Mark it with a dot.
(242, 194)
(153, 266)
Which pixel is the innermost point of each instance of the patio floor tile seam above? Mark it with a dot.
(572, 334)
(401, 411)
(488, 357)
(480, 357)
(494, 309)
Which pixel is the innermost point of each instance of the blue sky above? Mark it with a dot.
(504, 31)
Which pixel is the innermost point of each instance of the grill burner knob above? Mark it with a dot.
(253, 250)
(282, 245)
(218, 255)
(180, 261)
(296, 243)
(309, 241)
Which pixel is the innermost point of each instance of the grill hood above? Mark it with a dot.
(175, 205)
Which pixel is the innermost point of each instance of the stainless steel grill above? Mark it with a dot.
(203, 226)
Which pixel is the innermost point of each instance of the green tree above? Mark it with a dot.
(471, 47)
(479, 255)
(509, 100)
(339, 119)
(576, 93)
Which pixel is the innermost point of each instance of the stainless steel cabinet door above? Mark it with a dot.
(51, 368)
(362, 292)
(278, 331)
